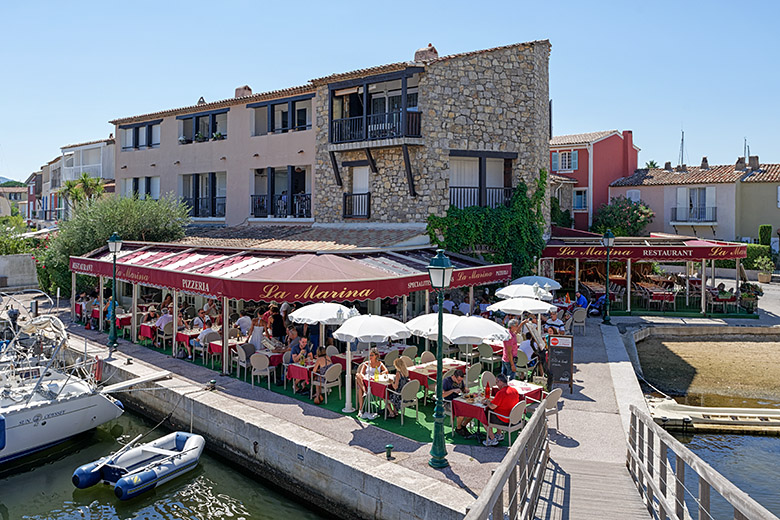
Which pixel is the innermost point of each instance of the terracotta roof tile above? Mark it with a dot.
(254, 98)
(693, 175)
(13, 189)
(110, 140)
(765, 173)
(589, 137)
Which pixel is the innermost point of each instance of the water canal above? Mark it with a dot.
(215, 490)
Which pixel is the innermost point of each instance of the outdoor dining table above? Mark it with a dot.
(427, 371)
(147, 330)
(341, 359)
(184, 336)
(300, 372)
(478, 409)
(79, 309)
(123, 320)
(379, 385)
(274, 358)
(96, 313)
(215, 347)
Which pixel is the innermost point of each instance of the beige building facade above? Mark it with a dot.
(758, 202)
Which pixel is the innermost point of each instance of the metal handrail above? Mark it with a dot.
(529, 454)
(649, 467)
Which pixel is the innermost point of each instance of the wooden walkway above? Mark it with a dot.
(586, 476)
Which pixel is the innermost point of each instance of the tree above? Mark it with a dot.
(651, 164)
(623, 216)
(93, 222)
(12, 184)
(504, 234)
(82, 190)
(561, 218)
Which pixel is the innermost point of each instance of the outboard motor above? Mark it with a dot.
(13, 315)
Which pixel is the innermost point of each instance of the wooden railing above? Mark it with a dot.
(384, 125)
(657, 463)
(521, 473)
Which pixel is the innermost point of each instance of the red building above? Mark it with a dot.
(593, 160)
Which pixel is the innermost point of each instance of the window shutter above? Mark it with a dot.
(709, 197)
(574, 160)
(555, 161)
(632, 195)
(778, 196)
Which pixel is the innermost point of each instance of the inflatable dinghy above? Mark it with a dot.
(134, 470)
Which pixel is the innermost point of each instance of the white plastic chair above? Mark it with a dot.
(516, 420)
(408, 398)
(488, 357)
(331, 379)
(427, 357)
(260, 368)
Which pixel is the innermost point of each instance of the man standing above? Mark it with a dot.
(506, 398)
(508, 367)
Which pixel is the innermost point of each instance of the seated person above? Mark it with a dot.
(580, 300)
(452, 387)
(301, 354)
(400, 379)
(108, 309)
(366, 373)
(448, 304)
(465, 307)
(200, 340)
(163, 320)
(199, 322)
(502, 403)
(321, 365)
(180, 323)
(168, 301)
(553, 325)
(151, 315)
(292, 337)
(244, 322)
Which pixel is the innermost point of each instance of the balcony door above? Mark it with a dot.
(360, 186)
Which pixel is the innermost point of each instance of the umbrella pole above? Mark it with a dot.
(322, 335)
(348, 408)
(539, 323)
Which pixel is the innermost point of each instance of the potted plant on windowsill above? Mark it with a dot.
(765, 268)
(184, 140)
(199, 138)
(217, 136)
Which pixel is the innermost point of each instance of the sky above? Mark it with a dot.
(708, 68)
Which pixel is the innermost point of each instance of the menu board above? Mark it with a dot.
(561, 360)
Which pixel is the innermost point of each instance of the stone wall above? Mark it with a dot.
(19, 270)
(494, 100)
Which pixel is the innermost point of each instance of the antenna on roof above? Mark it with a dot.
(681, 161)
(746, 149)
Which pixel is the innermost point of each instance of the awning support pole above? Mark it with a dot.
(428, 311)
(134, 316)
(704, 287)
(225, 338)
(687, 284)
(73, 296)
(736, 279)
(471, 300)
(175, 320)
(100, 313)
(712, 278)
(577, 274)
(628, 285)
(403, 302)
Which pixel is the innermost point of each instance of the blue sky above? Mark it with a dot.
(710, 68)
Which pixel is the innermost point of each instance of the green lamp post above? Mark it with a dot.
(114, 246)
(440, 273)
(608, 240)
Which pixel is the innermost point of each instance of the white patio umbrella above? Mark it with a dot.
(324, 313)
(524, 291)
(521, 305)
(427, 325)
(542, 281)
(470, 330)
(368, 329)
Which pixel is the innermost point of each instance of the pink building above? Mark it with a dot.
(594, 160)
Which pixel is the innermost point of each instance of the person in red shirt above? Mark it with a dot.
(505, 399)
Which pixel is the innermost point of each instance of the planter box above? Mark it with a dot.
(764, 277)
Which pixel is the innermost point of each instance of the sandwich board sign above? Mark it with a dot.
(561, 360)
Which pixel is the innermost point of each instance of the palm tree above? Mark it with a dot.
(651, 164)
(91, 186)
(72, 193)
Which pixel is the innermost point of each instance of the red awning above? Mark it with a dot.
(653, 248)
(278, 276)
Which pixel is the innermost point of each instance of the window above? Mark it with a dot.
(580, 202)
(695, 205)
(281, 122)
(203, 126)
(139, 135)
(564, 161)
(143, 187)
(260, 121)
(205, 194)
(632, 195)
(303, 114)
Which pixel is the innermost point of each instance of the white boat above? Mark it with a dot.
(134, 470)
(674, 416)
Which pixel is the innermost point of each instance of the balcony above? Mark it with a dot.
(357, 205)
(700, 215)
(205, 207)
(279, 206)
(466, 196)
(373, 127)
(71, 173)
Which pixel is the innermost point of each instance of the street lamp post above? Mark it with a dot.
(114, 246)
(440, 272)
(608, 240)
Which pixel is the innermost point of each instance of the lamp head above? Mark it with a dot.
(115, 243)
(440, 270)
(608, 240)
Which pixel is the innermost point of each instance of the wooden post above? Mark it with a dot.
(628, 285)
(100, 311)
(679, 487)
(513, 492)
(134, 318)
(471, 300)
(712, 273)
(687, 284)
(498, 506)
(650, 454)
(736, 280)
(73, 296)
(662, 454)
(225, 338)
(704, 287)
(175, 320)
(704, 499)
(404, 302)
(427, 311)
(577, 274)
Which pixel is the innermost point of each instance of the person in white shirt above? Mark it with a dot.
(554, 325)
(284, 310)
(448, 304)
(526, 346)
(200, 320)
(244, 323)
(200, 339)
(163, 320)
(465, 307)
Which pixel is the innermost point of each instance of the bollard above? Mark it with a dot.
(34, 308)
(389, 451)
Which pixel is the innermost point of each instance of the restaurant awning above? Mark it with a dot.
(271, 275)
(656, 247)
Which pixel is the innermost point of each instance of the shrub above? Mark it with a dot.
(754, 251)
(764, 264)
(765, 234)
(623, 216)
(558, 217)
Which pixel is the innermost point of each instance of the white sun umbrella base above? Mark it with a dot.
(368, 329)
(524, 291)
(541, 281)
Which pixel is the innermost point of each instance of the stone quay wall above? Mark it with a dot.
(494, 100)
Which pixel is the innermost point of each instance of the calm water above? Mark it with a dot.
(751, 462)
(212, 491)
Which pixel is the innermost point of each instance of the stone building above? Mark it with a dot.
(398, 142)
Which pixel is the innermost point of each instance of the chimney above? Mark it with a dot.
(753, 162)
(201, 101)
(681, 168)
(629, 154)
(245, 90)
(426, 54)
(668, 166)
(740, 164)
(705, 165)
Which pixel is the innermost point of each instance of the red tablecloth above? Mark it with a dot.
(274, 358)
(96, 313)
(662, 296)
(123, 320)
(215, 347)
(184, 336)
(379, 388)
(427, 371)
(79, 308)
(299, 372)
(341, 359)
(147, 331)
(462, 408)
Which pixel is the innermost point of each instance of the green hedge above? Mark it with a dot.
(765, 234)
(753, 251)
